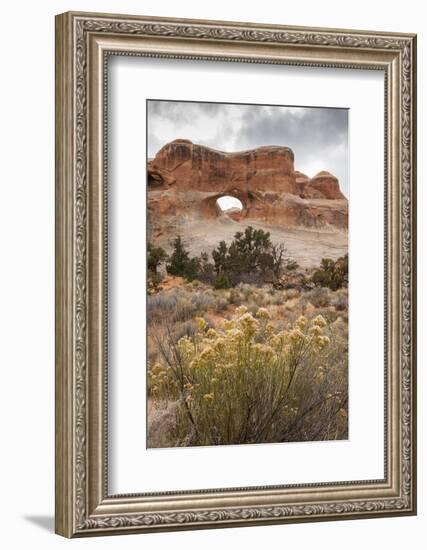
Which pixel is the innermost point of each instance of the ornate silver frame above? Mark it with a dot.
(83, 42)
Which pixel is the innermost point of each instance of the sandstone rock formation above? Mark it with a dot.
(198, 168)
(185, 181)
(323, 186)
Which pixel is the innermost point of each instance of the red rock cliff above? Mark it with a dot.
(186, 179)
(199, 168)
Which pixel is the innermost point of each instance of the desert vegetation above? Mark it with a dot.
(250, 258)
(244, 347)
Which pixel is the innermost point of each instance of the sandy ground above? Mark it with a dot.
(305, 246)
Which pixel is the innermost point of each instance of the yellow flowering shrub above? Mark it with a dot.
(245, 382)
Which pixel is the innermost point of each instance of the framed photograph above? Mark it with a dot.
(235, 274)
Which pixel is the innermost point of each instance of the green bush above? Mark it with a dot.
(251, 257)
(180, 264)
(222, 281)
(333, 275)
(179, 258)
(292, 265)
(206, 269)
(155, 257)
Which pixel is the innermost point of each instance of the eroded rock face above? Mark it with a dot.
(185, 181)
(198, 168)
(323, 185)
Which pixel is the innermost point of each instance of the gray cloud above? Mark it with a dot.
(318, 136)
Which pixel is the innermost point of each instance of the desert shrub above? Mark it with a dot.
(253, 278)
(203, 301)
(252, 308)
(222, 281)
(184, 311)
(162, 385)
(221, 303)
(246, 291)
(181, 304)
(247, 383)
(277, 298)
(251, 257)
(206, 269)
(261, 297)
(154, 280)
(291, 294)
(319, 297)
(156, 255)
(332, 274)
(179, 258)
(180, 264)
(160, 305)
(235, 296)
(258, 295)
(187, 328)
(292, 265)
(340, 301)
(192, 270)
(174, 306)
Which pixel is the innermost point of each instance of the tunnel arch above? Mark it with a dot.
(211, 209)
(228, 203)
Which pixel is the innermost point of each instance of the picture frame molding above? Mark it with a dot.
(83, 43)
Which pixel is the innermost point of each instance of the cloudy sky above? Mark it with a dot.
(318, 136)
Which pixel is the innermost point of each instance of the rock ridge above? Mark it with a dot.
(185, 180)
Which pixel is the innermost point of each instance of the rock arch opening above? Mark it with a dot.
(227, 204)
